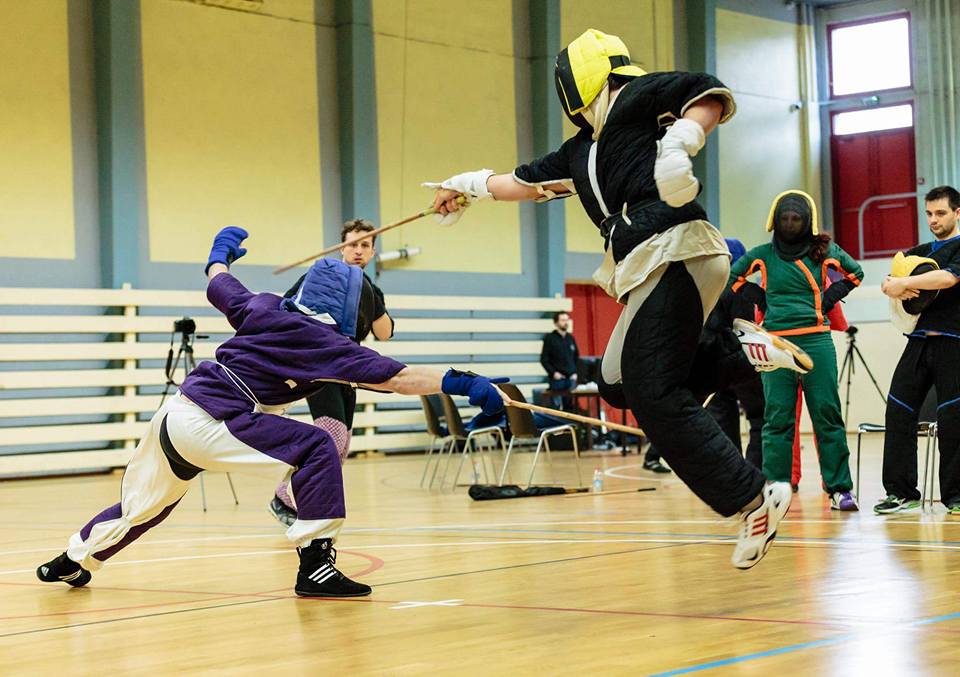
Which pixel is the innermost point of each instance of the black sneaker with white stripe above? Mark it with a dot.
(318, 577)
(64, 569)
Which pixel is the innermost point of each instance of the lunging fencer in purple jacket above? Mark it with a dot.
(229, 416)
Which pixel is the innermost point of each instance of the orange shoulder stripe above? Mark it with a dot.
(816, 290)
(755, 265)
(833, 263)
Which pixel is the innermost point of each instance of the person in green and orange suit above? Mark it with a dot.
(793, 269)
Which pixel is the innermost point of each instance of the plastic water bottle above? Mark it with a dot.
(597, 480)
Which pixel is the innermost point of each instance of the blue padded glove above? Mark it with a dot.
(479, 389)
(226, 246)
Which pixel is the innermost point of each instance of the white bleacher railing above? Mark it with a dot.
(81, 370)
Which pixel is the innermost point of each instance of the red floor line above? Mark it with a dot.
(657, 614)
(124, 608)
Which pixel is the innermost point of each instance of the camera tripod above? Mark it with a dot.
(849, 360)
(187, 329)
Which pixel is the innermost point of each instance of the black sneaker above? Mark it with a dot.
(656, 466)
(281, 512)
(64, 569)
(893, 504)
(318, 577)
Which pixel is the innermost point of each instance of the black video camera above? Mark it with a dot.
(185, 326)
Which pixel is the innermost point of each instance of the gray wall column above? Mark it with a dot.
(120, 147)
(702, 56)
(356, 91)
(547, 136)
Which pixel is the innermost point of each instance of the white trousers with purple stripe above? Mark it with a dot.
(149, 488)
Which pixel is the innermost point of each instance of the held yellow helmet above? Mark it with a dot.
(905, 266)
(582, 69)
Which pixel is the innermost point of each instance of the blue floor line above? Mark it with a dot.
(852, 636)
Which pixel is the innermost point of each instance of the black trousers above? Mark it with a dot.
(663, 364)
(725, 409)
(926, 362)
(336, 400)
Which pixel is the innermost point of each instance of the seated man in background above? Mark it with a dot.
(559, 359)
(228, 416)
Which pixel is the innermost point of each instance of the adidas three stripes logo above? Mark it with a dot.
(323, 573)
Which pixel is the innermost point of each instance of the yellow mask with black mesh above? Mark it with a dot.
(583, 67)
(905, 266)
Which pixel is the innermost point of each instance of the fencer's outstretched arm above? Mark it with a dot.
(416, 380)
(412, 380)
(501, 187)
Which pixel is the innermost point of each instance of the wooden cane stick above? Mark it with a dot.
(573, 417)
(609, 493)
(372, 233)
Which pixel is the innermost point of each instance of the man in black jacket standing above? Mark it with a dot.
(559, 358)
(931, 358)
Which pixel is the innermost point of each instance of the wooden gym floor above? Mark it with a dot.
(629, 583)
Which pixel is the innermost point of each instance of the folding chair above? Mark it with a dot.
(459, 435)
(203, 491)
(926, 427)
(431, 403)
(522, 426)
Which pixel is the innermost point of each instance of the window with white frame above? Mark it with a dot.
(870, 56)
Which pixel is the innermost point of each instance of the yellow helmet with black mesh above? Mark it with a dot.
(583, 67)
(905, 266)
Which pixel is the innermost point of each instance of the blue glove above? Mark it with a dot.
(479, 389)
(226, 246)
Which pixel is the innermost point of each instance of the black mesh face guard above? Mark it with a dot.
(567, 91)
(927, 296)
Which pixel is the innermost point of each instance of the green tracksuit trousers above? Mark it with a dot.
(822, 395)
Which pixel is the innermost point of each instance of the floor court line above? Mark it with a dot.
(711, 540)
(521, 607)
(268, 596)
(502, 525)
(848, 637)
(933, 520)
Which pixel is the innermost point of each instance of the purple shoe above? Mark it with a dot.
(844, 500)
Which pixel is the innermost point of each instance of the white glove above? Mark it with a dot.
(673, 170)
(472, 185)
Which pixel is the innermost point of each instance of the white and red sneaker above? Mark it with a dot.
(767, 352)
(758, 527)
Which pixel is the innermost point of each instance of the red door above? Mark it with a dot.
(594, 316)
(866, 165)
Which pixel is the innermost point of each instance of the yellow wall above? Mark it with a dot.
(761, 148)
(446, 104)
(36, 157)
(231, 126)
(646, 27)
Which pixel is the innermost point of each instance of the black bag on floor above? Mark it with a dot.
(491, 492)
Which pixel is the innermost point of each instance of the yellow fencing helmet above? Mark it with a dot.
(583, 67)
(905, 266)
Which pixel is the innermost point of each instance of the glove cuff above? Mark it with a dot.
(451, 383)
(212, 260)
(688, 133)
(471, 184)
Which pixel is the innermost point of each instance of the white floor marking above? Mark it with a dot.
(414, 605)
